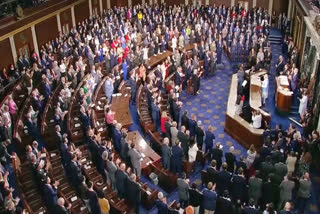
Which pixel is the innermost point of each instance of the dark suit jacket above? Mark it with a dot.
(192, 127)
(250, 210)
(224, 181)
(61, 210)
(217, 155)
(133, 191)
(230, 159)
(162, 207)
(121, 178)
(93, 202)
(224, 206)
(239, 187)
(213, 174)
(200, 135)
(195, 197)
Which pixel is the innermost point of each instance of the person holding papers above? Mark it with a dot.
(256, 119)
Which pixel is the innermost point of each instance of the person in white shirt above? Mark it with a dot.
(193, 150)
(256, 119)
(303, 104)
(265, 88)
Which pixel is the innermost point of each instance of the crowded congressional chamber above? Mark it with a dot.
(159, 106)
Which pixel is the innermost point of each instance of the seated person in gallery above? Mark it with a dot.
(256, 119)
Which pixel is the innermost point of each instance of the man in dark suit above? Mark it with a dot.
(230, 159)
(199, 134)
(217, 155)
(176, 110)
(224, 179)
(210, 139)
(213, 172)
(280, 65)
(166, 153)
(224, 204)
(117, 137)
(121, 178)
(75, 171)
(161, 204)
(192, 125)
(50, 194)
(177, 157)
(134, 192)
(195, 198)
(239, 186)
(60, 208)
(93, 199)
(59, 139)
(185, 140)
(250, 209)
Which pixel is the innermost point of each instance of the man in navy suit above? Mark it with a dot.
(250, 209)
(50, 193)
(177, 157)
(117, 137)
(192, 125)
(209, 199)
(210, 139)
(224, 179)
(122, 178)
(161, 204)
(239, 186)
(134, 192)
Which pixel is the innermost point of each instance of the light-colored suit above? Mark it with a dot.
(183, 189)
(174, 134)
(135, 158)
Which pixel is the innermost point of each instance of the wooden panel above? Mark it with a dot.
(5, 53)
(119, 3)
(81, 11)
(136, 2)
(66, 18)
(227, 3)
(45, 33)
(263, 4)
(23, 40)
(176, 2)
(95, 6)
(280, 6)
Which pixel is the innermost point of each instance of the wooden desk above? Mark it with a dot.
(141, 145)
(120, 104)
(238, 127)
(155, 60)
(283, 96)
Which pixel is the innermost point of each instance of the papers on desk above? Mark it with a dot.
(113, 95)
(76, 119)
(143, 155)
(21, 95)
(83, 160)
(43, 155)
(148, 192)
(99, 103)
(87, 167)
(284, 80)
(126, 95)
(98, 123)
(149, 162)
(53, 155)
(98, 107)
(92, 105)
(74, 198)
(75, 133)
(244, 83)
(99, 183)
(82, 208)
(51, 121)
(247, 71)
(100, 130)
(77, 125)
(119, 95)
(104, 188)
